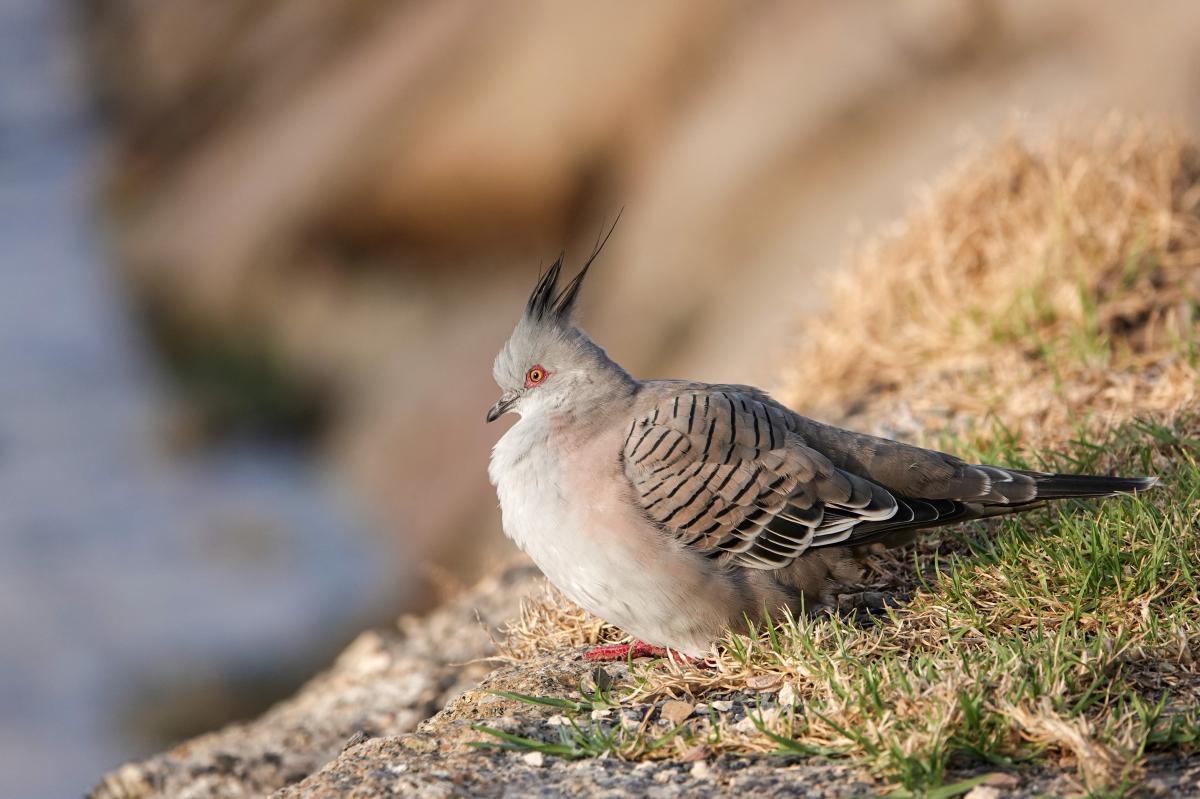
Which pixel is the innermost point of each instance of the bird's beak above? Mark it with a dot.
(503, 404)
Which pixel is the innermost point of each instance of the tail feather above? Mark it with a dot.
(918, 514)
(1067, 486)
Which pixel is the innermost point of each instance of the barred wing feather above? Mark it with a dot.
(719, 468)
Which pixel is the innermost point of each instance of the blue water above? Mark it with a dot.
(120, 563)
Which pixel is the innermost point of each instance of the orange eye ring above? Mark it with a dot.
(535, 375)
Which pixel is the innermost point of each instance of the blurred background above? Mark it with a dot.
(258, 257)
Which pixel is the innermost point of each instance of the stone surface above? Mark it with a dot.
(440, 760)
(389, 767)
(355, 732)
(385, 683)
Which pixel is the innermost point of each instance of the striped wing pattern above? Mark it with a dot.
(721, 469)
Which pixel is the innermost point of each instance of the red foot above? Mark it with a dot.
(638, 649)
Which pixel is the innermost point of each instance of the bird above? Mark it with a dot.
(678, 510)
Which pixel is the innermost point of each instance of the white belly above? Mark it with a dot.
(544, 519)
(582, 532)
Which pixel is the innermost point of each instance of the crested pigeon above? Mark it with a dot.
(677, 510)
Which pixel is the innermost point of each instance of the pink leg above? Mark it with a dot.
(637, 649)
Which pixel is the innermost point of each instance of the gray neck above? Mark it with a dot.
(606, 389)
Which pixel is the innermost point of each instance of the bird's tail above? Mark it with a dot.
(1071, 486)
(916, 514)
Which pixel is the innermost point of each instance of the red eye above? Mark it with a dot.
(535, 375)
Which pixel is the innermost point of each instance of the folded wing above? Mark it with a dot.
(719, 468)
(727, 470)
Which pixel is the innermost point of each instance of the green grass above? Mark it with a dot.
(1068, 630)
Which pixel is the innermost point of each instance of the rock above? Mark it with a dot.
(787, 695)
(1157, 787)
(999, 779)
(598, 679)
(983, 792)
(385, 683)
(675, 711)
(355, 740)
(535, 759)
(382, 767)
(764, 682)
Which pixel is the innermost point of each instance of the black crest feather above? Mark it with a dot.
(544, 304)
(541, 301)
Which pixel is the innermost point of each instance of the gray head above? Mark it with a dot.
(548, 363)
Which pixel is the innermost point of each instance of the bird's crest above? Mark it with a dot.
(547, 306)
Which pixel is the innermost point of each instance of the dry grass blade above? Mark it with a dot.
(548, 622)
(1100, 766)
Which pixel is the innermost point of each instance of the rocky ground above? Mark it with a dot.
(397, 715)
(384, 684)
(440, 760)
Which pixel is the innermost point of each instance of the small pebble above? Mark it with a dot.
(701, 709)
(722, 706)
(766, 717)
(982, 792)
(557, 720)
(596, 680)
(535, 759)
(999, 779)
(354, 740)
(676, 711)
(787, 695)
(1157, 786)
(764, 682)
(506, 723)
(701, 770)
(601, 678)
(746, 725)
(602, 713)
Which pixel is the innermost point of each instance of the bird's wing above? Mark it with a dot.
(721, 469)
(729, 471)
